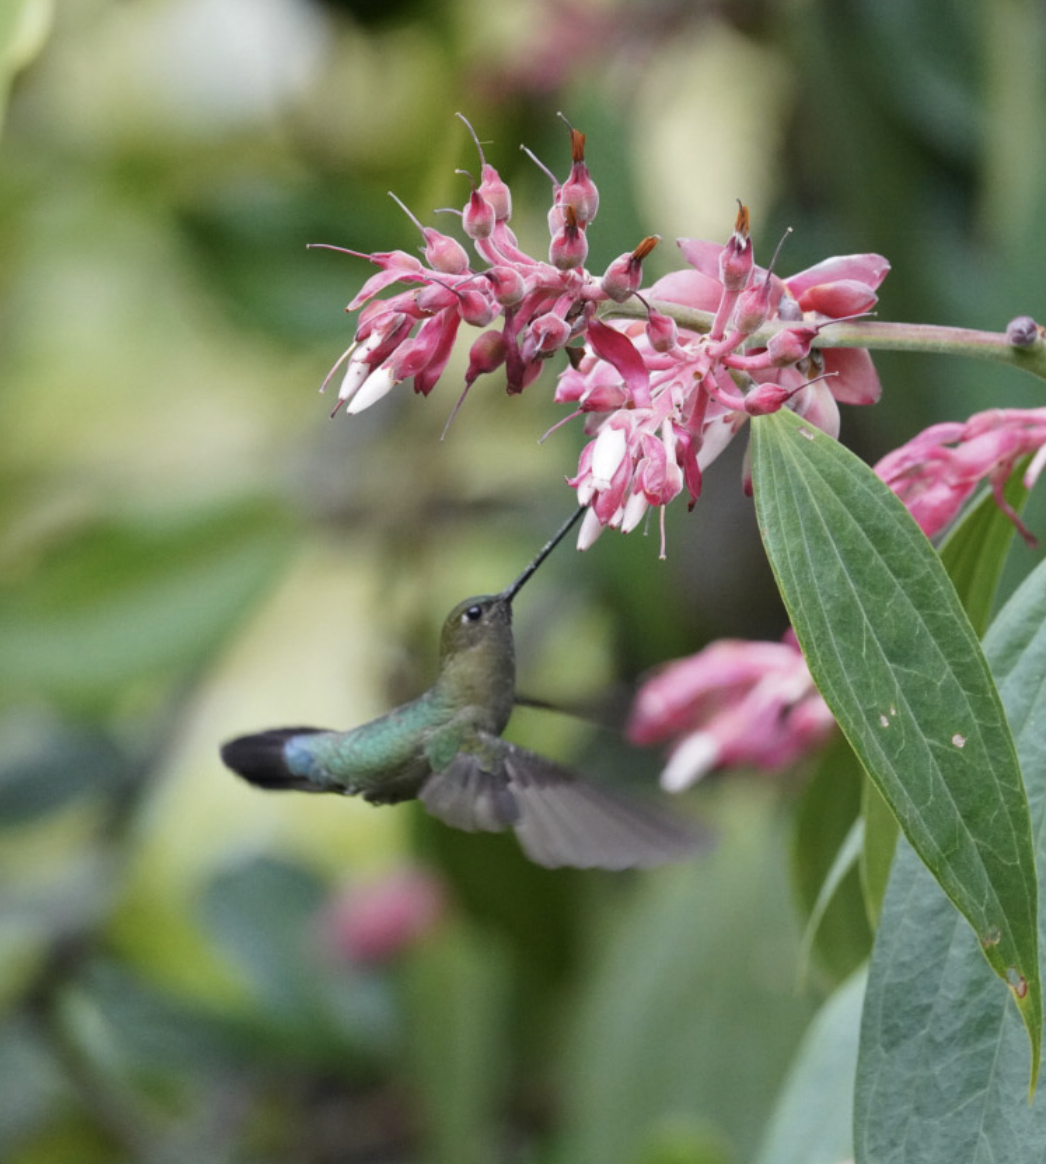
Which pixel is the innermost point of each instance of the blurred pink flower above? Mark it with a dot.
(373, 922)
(754, 704)
(936, 471)
(735, 704)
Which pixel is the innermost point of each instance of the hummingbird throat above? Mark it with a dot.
(542, 554)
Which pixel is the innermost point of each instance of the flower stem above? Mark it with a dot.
(870, 334)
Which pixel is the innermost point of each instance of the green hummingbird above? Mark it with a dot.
(445, 749)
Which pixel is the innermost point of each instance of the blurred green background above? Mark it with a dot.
(190, 549)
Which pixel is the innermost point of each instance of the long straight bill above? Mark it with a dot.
(543, 553)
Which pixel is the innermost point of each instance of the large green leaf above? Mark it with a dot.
(943, 1060)
(812, 1122)
(973, 554)
(894, 655)
(690, 1010)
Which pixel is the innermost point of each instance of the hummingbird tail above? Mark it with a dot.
(262, 759)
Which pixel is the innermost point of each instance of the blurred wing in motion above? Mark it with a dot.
(559, 818)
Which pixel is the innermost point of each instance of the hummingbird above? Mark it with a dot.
(445, 748)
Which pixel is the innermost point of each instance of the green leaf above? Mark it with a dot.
(825, 869)
(46, 764)
(131, 599)
(974, 553)
(897, 661)
(843, 867)
(943, 1060)
(24, 28)
(262, 914)
(813, 1120)
(691, 974)
(880, 844)
(459, 1053)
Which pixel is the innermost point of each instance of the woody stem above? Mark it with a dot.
(870, 334)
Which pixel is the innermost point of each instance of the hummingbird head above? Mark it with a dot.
(477, 656)
(485, 620)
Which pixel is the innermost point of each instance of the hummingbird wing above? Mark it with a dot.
(560, 818)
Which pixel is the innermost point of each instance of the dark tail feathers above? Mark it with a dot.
(259, 759)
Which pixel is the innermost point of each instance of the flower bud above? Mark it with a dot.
(546, 334)
(378, 384)
(476, 307)
(736, 259)
(753, 308)
(434, 297)
(578, 193)
(625, 273)
(496, 193)
(486, 355)
(603, 398)
(661, 331)
(1023, 331)
(790, 345)
(507, 283)
(491, 188)
(443, 253)
(478, 217)
(569, 247)
(767, 398)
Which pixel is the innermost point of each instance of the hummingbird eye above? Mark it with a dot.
(473, 614)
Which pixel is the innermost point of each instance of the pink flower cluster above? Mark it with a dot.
(374, 922)
(542, 305)
(936, 471)
(660, 401)
(733, 705)
(754, 704)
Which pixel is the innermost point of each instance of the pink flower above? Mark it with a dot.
(693, 392)
(840, 286)
(734, 704)
(738, 704)
(661, 402)
(936, 471)
(376, 921)
(543, 305)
